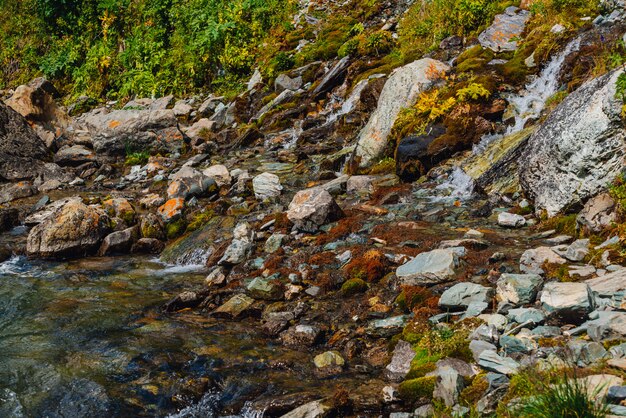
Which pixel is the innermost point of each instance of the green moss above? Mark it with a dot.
(474, 59)
(353, 286)
(175, 229)
(199, 220)
(137, 158)
(563, 224)
(415, 389)
(473, 392)
(384, 166)
(151, 231)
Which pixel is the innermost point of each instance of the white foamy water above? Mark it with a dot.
(531, 101)
(348, 105)
(458, 185)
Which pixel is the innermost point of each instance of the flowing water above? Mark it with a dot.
(529, 104)
(86, 338)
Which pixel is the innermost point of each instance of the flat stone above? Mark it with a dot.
(502, 34)
(511, 220)
(461, 295)
(567, 299)
(491, 361)
(532, 260)
(431, 267)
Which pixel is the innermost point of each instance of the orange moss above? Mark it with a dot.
(371, 266)
(344, 227)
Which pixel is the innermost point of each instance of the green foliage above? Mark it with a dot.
(137, 158)
(620, 87)
(199, 220)
(120, 48)
(427, 23)
(617, 190)
(474, 92)
(565, 398)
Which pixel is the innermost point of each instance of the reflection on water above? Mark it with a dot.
(85, 338)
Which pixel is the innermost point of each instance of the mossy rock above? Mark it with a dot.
(175, 229)
(475, 391)
(414, 389)
(353, 287)
(474, 59)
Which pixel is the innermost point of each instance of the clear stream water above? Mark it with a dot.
(85, 338)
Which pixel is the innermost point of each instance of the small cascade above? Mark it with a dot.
(207, 407)
(348, 105)
(295, 133)
(458, 185)
(532, 100)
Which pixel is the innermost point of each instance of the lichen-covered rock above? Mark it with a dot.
(507, 27)
(401, 90)
(578, 150)
(518, 289)
(172, 210)
(72, 231)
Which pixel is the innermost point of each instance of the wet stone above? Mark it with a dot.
(301, 336)
(234, 307)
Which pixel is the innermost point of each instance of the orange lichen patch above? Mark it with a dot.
(172, 208)
(114, 124)
(371, 266)
(344, 227)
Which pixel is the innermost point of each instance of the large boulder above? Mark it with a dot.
(578, 150)
(74, 230)
(461, 295)
(401, 90)
(22, 153)
(118, 131)
(569, 300)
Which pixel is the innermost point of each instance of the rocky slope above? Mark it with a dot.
(435, 267)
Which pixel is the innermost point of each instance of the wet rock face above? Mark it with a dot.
(73, 231)
(401, 90)
(22, 152)
(578, 150)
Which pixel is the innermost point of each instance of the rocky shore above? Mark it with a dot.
(440, 272)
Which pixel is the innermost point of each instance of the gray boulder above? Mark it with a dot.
(188, 182)
(114, 132)
(433, 267)
(461, 295)
(22, 152)
(491, 361)
(518, 289)
(532, 260)
(400, 363)
(401, 90)
(448, 386)
(511, 220)
(578, 150)
(567, 299)
(119, 241)
(266, 186)
(284, 82)
(74, 156)
(507, 27)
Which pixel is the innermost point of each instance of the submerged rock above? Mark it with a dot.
(578, 150)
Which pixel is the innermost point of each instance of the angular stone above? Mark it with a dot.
(220, 174)
(400, 363)
(266, 186)
(610, 284)
(511, 220)
(567, 299)
(491, 361)
(401, 90)
(461, 295)
(577, 150)
(518, 289)
(448, 386)
(74, 156)
(598, 213)
(315, 409)
(532, 260)
(526, 315)
(507, 27)
(74, 230)
(428, 268)
(119, 242)
(312, 208)
(478, 346)
(172, 210)
(301, 336)
(234, 307)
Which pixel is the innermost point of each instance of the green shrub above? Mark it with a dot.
(565, 398)
(137, 158)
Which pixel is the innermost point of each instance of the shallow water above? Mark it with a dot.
(85, 338)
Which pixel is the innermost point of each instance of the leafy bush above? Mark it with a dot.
(474, 91)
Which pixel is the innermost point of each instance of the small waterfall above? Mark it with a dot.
(295, 133)
(348, 105)
(458, 185)
(532, 100)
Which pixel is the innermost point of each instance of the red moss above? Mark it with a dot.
(344, 227)
(370, 266)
